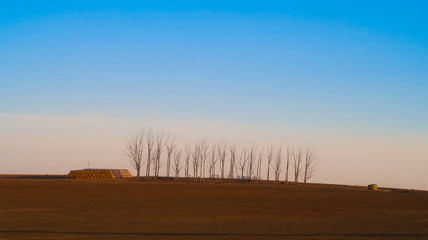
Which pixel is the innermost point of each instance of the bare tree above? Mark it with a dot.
(297, 160)
(154, 162)
(309, 165)
(221, 150)
(270, 151)
(203, 157)
(170, 146)
(134, 151)
(213, 161)
(232, 161)
(251, 160)
(242, 161)
(277, 166)
(287, 163)
(259, 164)
(177, 165)
(149, 141)
(188, 152)
(196, 155)
(158, 152)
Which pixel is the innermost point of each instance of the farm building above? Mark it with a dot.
(89, 173)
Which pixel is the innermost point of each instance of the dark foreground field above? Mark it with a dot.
(73, 209)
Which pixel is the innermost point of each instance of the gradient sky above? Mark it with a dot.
(349, 79)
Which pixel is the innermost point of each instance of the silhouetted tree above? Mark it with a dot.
(259, 164)
(158, 152)
(232, 161)
(204, 146)
(149, 143)
(243, 161)
(213, 161)
(188, 152)
(277, 166)
(297, 160)
(251, 160)
(134, 151)
(177, 165)
(221, 150)
(196, 159)
(309, 165)
(287, 163)
(170, 146)
(269, 160)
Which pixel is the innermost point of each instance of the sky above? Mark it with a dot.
(347, 79)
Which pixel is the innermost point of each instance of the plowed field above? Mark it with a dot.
(115, 209)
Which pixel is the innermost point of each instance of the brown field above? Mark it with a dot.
(120, 209)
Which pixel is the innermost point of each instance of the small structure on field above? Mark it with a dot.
(373, 187)
(89, 173)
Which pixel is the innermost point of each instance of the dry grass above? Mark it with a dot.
(115, 209)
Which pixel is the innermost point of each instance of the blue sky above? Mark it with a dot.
(326, 67)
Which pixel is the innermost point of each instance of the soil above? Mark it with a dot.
(123, 209)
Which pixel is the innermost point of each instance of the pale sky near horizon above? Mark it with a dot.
(349, 80)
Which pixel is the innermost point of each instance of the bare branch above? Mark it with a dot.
(134, 150)
(259, 164)
(251, 160)
(203, 155)
(158, 152)
(277, 166)
(188, 152)
(213, 161)
(170, 146)
(177, 165)
(288, 156)
(221, 150)
(149, 143)
(297, 160)
(309, 165)
(269, 159)
(232, 162)
(243, 161)
(196, 159)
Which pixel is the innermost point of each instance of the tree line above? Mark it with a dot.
(202, 159)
